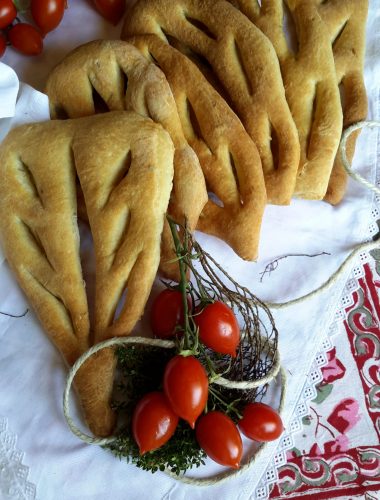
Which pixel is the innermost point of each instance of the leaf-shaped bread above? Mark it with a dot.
(125, 167)
(126, 184)
(346, 23)
(310, 86)
(39, 231)
(241, 63)
(229, 158)
(109, 75)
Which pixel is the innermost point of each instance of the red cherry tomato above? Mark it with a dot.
(7, 13)
(112, 10)
(186, 387)
(3, 44)
(153, 422)
(218, 328)
(261, 422)
(167, 313)
(47, 14)
(25, 38)
(220, 439)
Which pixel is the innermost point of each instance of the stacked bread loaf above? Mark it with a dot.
(204, 111)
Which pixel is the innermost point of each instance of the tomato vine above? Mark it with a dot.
(173, 375)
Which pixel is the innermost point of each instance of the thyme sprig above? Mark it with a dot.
(178, 455)
(140, 371)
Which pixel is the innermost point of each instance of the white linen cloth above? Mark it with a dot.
(32, 372)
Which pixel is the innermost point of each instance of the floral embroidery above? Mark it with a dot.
(326, 464)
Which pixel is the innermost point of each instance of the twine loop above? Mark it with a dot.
(165, 344)
(358, 249)
(343, 152)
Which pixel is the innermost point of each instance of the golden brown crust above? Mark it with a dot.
(126, 190)
(115, 73)
(126, 205)
(229, 159)
(346, 23)
(244, 62)
(310, 87)
(94, 385)
(39, 232)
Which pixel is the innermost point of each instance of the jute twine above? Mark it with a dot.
(167, 344)
(270, 376)
(358, 249)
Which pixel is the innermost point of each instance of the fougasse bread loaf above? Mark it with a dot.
(241, 63)
(329, 53)
(346, 22)
(109, 75)
(310, 85)
(125, 166)
(228, 156)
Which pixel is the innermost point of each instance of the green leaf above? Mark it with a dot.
(373, 396)
(323, 391)
(344, 477)
(306, 420)
(361, 348)
(311, 465)
(296, 452)
(287, 487)
(375, 254)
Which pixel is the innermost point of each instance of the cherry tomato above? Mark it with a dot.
(112, 10)
(3, 44)
(186, 387)
(7, 13)
(167, 313)
(218, 328)
(261, 422)
(153, 422)
(220, 439)
(47, 14)
(25, 38)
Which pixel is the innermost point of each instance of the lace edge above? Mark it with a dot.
(13, 474)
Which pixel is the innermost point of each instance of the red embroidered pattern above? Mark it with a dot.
(327, 469)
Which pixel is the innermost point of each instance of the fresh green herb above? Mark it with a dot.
(179, 454)
(140, 371)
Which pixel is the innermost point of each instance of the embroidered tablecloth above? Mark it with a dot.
(337, 452)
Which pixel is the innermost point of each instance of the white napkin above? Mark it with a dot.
(19, 103)
(8, 90)
(33, 373)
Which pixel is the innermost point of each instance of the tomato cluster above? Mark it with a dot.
(217, 325)
(47, 15)
(186, 387)
(25, 37)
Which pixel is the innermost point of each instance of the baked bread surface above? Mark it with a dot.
(229, 158)
(109, 75)
(124, 163)
(310, 85)
(243, 66)
(346, 23)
